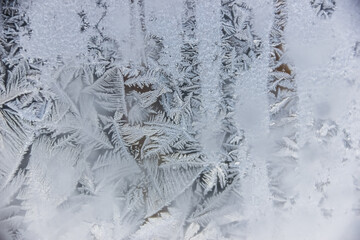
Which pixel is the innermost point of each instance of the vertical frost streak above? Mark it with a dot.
(283, 102)
(189, 65)
(239, 45)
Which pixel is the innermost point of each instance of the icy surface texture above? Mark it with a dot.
(179, 119)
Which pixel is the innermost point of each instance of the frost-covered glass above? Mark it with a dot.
(179, 119)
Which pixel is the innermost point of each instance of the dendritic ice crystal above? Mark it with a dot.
(180, 119)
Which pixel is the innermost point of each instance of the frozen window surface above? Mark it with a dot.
(179, 119)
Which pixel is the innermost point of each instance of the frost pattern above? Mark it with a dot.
(324, 8)
(283, 102)
(139, 134)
